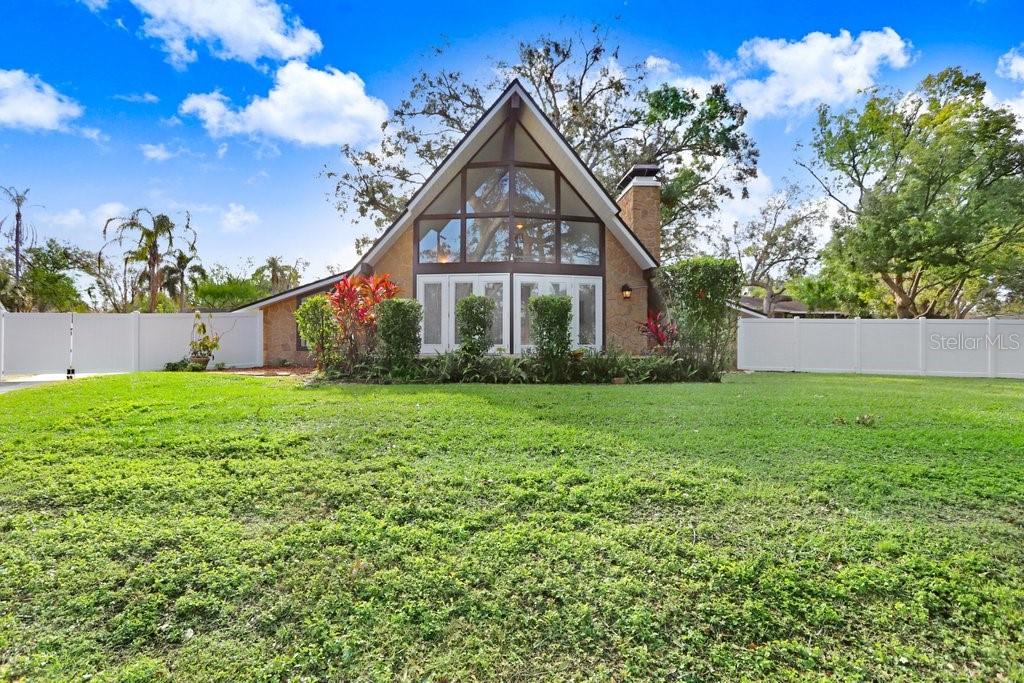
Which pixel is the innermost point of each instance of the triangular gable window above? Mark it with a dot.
(510, 203)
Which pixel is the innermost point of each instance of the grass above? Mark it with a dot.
(224, 528)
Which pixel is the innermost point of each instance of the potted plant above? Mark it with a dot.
(203, 343)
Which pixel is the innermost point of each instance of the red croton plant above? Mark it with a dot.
(660, 332)
(354, 300)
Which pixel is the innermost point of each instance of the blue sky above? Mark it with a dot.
(232, 114)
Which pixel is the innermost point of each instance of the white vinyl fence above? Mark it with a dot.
(50, 343)
(961, 348)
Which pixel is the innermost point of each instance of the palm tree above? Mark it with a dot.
(155, 242)
(280, 275)
(177, 273)
(18, 199)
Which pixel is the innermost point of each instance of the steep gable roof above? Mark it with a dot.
(551, 141)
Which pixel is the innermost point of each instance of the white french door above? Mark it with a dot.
(587, 312)
(438, 295)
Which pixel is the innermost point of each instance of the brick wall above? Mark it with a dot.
(280, 336)
(622, 315)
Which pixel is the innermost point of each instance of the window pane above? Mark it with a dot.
(535, 190)
(487, 190)
(487, 239)
(533, 240)
(495, 292)
(432, 313)
(581, 243)
(491, 151)
(572, 205)
(449, 199)
(526, 290)
(462, 290)
(440, 241)
(588, 314)
(526, 149)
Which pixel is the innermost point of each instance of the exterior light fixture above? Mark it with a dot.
(627, 292)
(519, 226)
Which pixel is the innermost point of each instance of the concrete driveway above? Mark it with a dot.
(11, 386)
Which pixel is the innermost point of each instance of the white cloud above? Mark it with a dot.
(238, 218)
(222, 150)
(99, 216)
(777, 77)
(28, 103)
(138, 98)
(158, 152)
(660, 65)
(305, 105)
(70, 219)
(1011, 65)
(243, 30)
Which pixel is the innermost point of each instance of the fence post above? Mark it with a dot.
(990, 344)
(796, 343)
(856, 345)
(3, 341)
(71, 346)
(922, 351)
(259, 338)
(135, 339)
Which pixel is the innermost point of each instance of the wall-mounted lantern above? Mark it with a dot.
(627, 292)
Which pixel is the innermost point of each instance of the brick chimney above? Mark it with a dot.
(640, 204)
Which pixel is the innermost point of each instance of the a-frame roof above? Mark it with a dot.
(551, 141)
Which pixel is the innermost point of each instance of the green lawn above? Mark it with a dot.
(223, 528)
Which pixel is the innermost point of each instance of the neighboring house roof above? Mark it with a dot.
(553, 143)
(787, 307)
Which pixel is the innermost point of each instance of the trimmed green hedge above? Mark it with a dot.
(398, 335)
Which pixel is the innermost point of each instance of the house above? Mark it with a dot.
(784, 307)
(512, 212)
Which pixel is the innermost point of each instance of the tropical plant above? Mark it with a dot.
(204, 342)
(354, 300)
(318, 330)
(18, 235)
(278, 275)
(659, 331)
(604, 108)
(147, 239)
(176, 275)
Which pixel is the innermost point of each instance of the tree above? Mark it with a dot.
(18, 231)
(777, 245)
(606, 111)
(47, 282)
(222, 290)
(150, 239)
(279, 275)
(176, 275)
(931, 187)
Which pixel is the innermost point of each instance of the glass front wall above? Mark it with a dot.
(509, 204)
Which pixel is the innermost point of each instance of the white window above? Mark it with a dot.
(585, 292)
(439, 293)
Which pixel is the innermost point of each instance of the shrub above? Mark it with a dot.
(473, 315)
(318, 330)
(697, 292)
(550, 317)
(398, 333)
